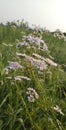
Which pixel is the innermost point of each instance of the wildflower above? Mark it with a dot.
(58, 110)
(19, 44)
(17, 78)
(29, 38)
(37, 56)
(31, 98)
(59, 34)
(49, 61)
(37, 40)
(14, 65)
(22, 77)
(40, 64)
(20, 54)
(32, 94)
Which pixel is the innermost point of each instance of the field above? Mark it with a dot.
(32, 78)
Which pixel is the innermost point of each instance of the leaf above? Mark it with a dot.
(4, 100)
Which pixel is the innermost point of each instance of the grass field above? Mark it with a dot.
(32, 79)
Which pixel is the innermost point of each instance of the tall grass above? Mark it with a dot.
(16, 112)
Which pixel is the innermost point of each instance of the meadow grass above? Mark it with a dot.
(48, 111)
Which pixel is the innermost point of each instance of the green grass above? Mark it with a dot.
(16, 112)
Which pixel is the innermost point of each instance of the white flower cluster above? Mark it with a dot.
(32, 39)
(59, 34)
(22, 77)
(29, 38)
(37, 40)
(14, 65)
(47, 60)
(37, 29)
(40, 64)
(32, 94)
(19, 44)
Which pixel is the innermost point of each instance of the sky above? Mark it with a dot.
(46, 13)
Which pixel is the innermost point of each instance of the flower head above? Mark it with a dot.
(14, 65)
(32, 94)
(56, 108)
(22, 77)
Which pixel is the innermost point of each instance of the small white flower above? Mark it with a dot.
(32, 94)
(31, 98)
(20, 54)
(17, 78)
(58, 110)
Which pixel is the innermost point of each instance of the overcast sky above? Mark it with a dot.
(46, 13)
